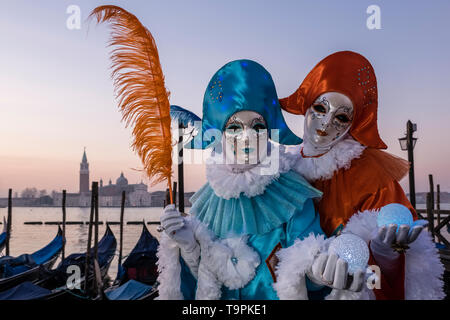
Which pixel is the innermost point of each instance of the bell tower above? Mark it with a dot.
(84, 174)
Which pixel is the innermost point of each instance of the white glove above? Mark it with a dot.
(388, 237)
(332, 271)
(175, 226)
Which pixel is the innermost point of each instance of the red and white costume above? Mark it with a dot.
(357, 178)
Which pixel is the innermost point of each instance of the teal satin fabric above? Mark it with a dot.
(241, 85)
(282, 198)
(283, 213)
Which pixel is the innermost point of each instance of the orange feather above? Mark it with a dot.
(139, 86)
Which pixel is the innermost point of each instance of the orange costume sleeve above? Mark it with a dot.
(370, 183)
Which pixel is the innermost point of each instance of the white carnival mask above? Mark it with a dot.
(245, 140)
(327, 121)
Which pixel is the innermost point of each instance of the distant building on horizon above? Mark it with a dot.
(110, 195)
(84, 174)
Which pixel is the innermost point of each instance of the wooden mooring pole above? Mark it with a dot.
(167, 198)
(438, 206)
(63, 254)
(122, 211)
(9, 223)
(95, 191)
(430, 178)
(88, 251)
(430, 216)
(96, 284)
(431, 227)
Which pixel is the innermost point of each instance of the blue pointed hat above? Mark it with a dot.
(237, 86)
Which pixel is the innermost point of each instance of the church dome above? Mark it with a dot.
(141, 186)
(121, 181)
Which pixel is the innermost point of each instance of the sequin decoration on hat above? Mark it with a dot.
(237, 86)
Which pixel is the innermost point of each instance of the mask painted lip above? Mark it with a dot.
(321, 133)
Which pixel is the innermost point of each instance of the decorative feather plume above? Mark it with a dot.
(185, 116)
(139, 86)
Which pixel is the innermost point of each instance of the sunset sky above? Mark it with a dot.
(56, 94)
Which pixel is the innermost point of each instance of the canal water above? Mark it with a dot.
(29, 238)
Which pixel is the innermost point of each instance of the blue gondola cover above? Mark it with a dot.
(29, 291)
(132, 290)
(2, 240)
(11, 266)
(24, 291)
(140, 264)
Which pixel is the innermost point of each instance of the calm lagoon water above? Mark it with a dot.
(29, 238)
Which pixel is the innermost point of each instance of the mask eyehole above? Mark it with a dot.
(319, 108)
(259, 127)
(234, 128)
(343, 118)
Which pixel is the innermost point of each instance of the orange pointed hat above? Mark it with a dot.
(348, 73)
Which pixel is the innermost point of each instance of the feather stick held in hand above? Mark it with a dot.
(139, 85)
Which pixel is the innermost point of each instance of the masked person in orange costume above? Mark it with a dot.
(341, 156)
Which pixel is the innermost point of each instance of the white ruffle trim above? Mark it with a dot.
(252, 182)
(293, 264)
(323, 167)
(423, 268)
(229, 262)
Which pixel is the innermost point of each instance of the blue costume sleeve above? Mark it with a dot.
(303, 224)
(299, 227)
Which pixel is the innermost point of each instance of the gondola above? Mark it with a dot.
(28, 267)
(53, 283)
(137, 275)
(3, 236)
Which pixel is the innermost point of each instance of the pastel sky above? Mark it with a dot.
(56, 95)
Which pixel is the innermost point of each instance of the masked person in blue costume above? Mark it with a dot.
(252, 202)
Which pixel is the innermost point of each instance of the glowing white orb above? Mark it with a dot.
(352, 249)
(394, 213)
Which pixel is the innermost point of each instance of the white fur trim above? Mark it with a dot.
(217, 268)
(293, 264)
(215, 265)
(364, 294)
(169, 269)
(236, 274)
(423, 268)
(363, 224)
(252, 182)
(323, 167)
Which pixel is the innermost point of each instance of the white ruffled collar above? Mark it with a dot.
(324, 167)
(227, 184)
